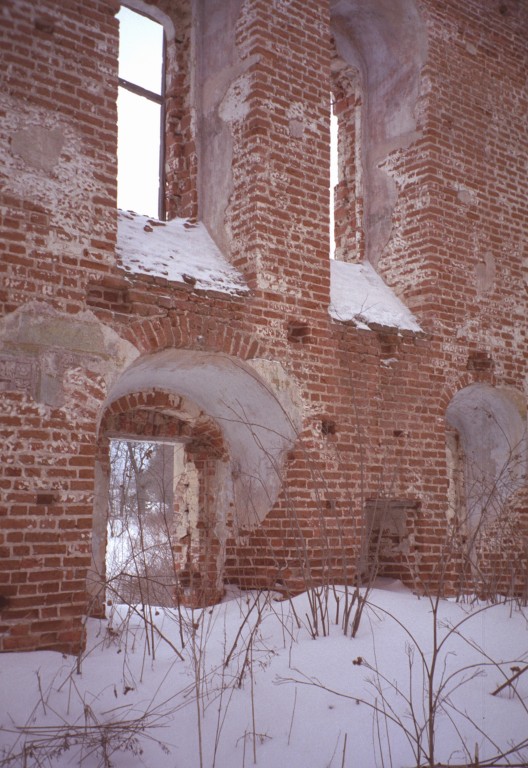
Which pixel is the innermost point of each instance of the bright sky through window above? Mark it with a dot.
(334, 172)
(139, 112)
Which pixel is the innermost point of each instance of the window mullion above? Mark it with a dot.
(139, 91)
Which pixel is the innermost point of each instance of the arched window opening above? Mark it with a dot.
(486, 444)
(380, 50)
(141, 114)
(227, 460)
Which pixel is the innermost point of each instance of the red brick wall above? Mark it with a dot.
(373, 402)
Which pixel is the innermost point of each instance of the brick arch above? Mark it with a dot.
(467, 379)
(161, 415)
(450, 390)
(198, 333)
(257, 428)
(232, 424)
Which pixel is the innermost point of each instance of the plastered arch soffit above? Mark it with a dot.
(257, 428)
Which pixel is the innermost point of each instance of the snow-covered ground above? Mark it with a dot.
(252, 685)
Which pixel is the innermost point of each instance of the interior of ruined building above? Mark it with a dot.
(307, 365)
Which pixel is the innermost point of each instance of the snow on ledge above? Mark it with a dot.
(358, 293)
(175, 250)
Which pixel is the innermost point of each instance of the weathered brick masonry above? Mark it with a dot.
(307, 431)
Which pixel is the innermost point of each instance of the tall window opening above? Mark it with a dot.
(334, 172)
(346, 165)
(141, 114)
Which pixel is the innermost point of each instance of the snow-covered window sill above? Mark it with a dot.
(177, 251)
(359, 295)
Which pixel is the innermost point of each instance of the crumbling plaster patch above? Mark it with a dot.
(234, 106)
(38, 147)
(284, 388)
(44, 161)
(485, 271)
(387, 42)
(57, 342)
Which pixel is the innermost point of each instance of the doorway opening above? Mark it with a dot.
(142, 558)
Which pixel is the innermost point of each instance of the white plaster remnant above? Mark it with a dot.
(220, 66)
(38, 146)
(284, 388)
(177, 251)
(234, 106)
(36, 328)
(296, 110)
(296, 117)
(186, 493)
(45, 162)
(467, 196)
(296, 128)
(358, 293)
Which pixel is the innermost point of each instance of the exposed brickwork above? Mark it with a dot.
(348, 193)
(372, 404)
(181, 195)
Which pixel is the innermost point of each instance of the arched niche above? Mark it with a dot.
(487, 452)
(386, 42)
